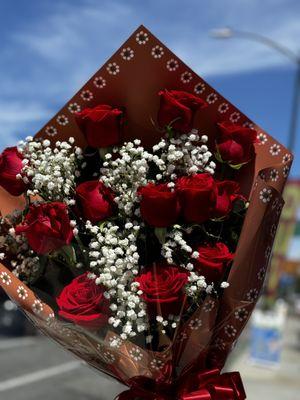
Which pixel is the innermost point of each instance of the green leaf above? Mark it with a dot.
(67, 254)
(219, 158)
(102, 225)
(233, 166)
(161, 233)
(237, 166)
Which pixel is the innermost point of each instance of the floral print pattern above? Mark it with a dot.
(172, 65)
(265, 195)
(62, 120)
(127, 53)
(99, 82)
(157, 52)
(199, 88)
(142, 37)
(212, 98)
(86, 95)
(186, 77)
(223, 108)
(113, 68)
(50, 131)
(74, 108)
(22, 292)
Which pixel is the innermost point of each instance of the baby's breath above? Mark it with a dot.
(125, 174)
(50, 172)
(25, 263)
(185, 155)
(175, 243)
(114, 261)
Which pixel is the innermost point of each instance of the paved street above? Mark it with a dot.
(36, 368)
(282, 383)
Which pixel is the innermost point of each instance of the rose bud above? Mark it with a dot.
(162, 288)
(228, 192)
(95, 201)
(46, 227)
(11, 166)
(178, 108)
(197, 196)
(101, 125)
(83, 302)
(159, 205)
(213, 261)
(235, 144)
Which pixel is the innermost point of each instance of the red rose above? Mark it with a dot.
(197, 194)
(227, 194)
(47, 227)
(177, 108)
(83, 303)
(213, 260)
(235, 143)
(10, 166)
(101, 125)
(95, 201)
(162, 288)
(159, 205)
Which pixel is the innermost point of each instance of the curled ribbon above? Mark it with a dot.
(211, 385)
(205, 385)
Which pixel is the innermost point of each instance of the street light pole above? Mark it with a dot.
(227, 33)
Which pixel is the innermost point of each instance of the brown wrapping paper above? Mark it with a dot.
(131, 78)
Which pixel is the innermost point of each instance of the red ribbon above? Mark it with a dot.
(211, 385)
(205, 385)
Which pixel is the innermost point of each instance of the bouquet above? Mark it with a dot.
(137, 226)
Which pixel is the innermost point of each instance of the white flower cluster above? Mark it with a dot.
(50, 172)
(26, 266)
(176, 243)
(125, 174)
(183, 156)
(173, 157)
(113, 252)
(114, 260)
(196, 284)
(172, 322)
(24, 261)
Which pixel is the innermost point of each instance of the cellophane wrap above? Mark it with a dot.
(204, 339)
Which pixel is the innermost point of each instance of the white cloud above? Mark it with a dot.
(21, 112)
(15, 117)
(276, 19)
(78, 37)
(70, 28)
(63, 48)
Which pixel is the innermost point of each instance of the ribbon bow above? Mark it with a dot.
(205, 385)
(211, 385)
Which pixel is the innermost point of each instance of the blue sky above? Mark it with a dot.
(50, 48)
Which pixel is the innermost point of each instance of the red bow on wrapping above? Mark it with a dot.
(205, 385)
(211, 385)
